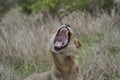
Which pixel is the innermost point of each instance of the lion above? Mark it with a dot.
(63, 50)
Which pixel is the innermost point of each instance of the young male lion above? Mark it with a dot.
(63, 50)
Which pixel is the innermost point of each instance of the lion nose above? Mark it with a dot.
(67, 25)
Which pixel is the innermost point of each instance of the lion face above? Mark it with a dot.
(63, 40)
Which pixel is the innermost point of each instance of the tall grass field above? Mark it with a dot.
(24, 44)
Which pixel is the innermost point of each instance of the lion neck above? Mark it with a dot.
(65, 66)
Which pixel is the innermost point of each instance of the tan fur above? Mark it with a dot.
(64, 66)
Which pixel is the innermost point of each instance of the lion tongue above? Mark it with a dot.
(58, 43)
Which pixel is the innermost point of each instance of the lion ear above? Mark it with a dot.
(77, 43)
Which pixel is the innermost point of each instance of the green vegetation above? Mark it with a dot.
(54, 6)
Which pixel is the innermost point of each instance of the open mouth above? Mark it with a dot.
(62, 38)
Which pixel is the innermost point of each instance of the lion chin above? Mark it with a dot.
(63, 50)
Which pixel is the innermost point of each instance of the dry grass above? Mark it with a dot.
(24, 41)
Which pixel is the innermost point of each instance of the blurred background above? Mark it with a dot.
(26, 27)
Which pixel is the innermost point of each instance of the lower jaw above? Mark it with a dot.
(57, 49)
